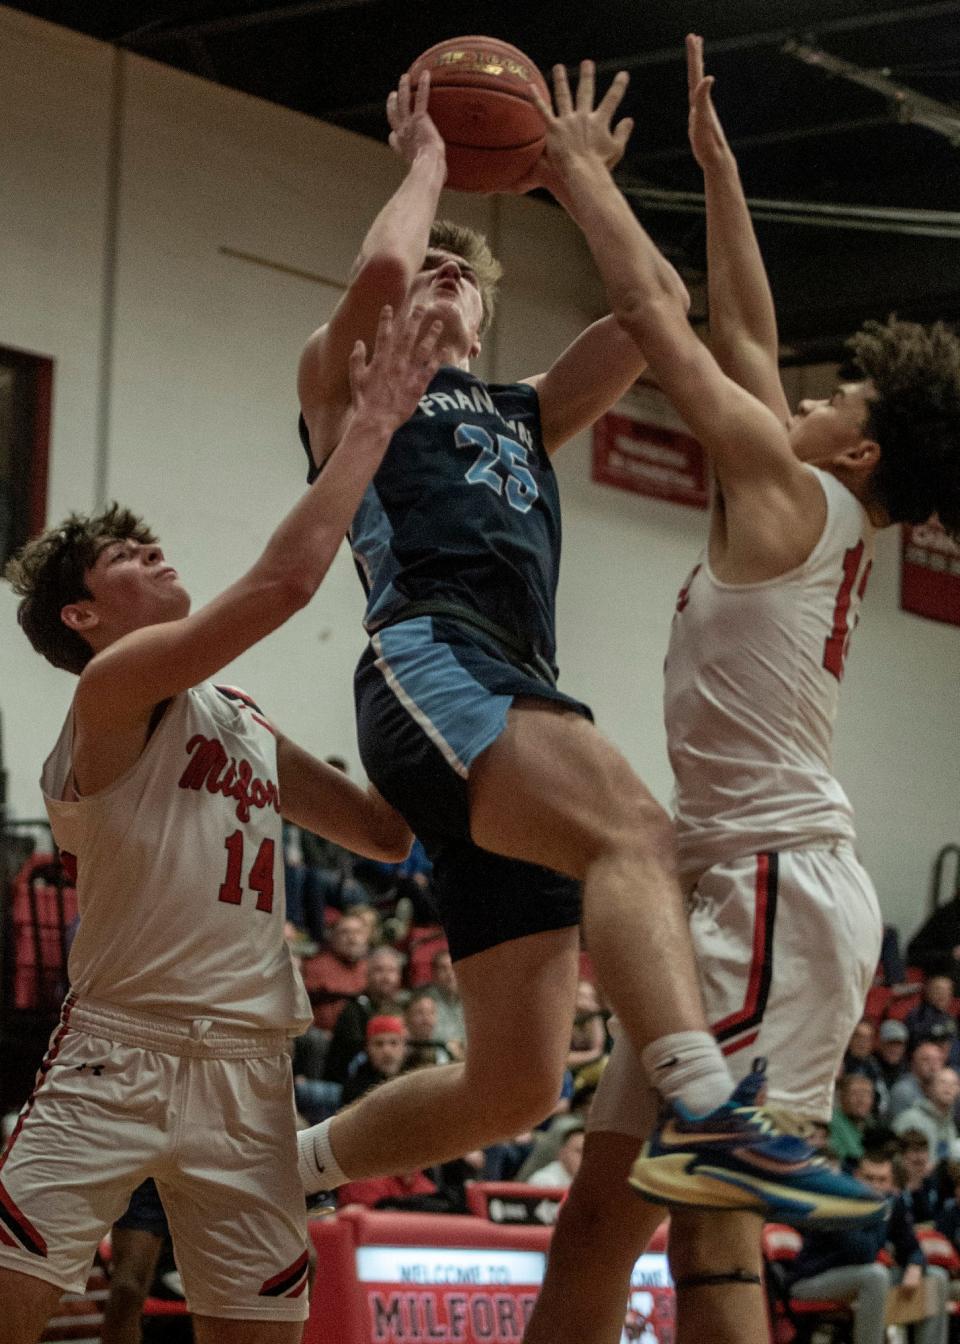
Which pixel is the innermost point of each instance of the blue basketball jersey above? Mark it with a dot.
(464, 508)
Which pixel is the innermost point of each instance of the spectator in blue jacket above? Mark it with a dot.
(842, 1265)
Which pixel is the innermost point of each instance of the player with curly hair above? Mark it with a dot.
(785, 923)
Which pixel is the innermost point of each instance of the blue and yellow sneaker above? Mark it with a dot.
(738, 1157)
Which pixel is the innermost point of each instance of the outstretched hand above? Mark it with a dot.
(577, 129)
(707, 140)
(411, 126)
(405, 358)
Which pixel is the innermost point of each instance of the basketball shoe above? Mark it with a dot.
(739, 1157)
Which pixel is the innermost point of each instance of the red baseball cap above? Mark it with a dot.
(384, 1025)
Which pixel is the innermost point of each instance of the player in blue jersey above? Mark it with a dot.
(517, 797)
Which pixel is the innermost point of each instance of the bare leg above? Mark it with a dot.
(26, 1304)
(553, 791)
(217, 1330)
(718, 1243)
(134, 1262)
(602, 1229)
(518, 1007)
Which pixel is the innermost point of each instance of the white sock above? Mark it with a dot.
(319, 1169)
(688, 1066)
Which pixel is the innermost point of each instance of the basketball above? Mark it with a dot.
(480, 103)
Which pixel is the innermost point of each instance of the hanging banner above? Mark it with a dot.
(642, 445)
(930, 573)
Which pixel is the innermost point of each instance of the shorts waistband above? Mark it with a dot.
(523, 655)
(196, 1038)
(841, 846)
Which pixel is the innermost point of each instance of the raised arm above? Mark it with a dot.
(743, 323)
(121, 685)
(323, 800)
(390, 255)
(749, 446)
(603, 362)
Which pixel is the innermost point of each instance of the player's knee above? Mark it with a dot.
(524, 1101)
(700, 1241)
(640, 828)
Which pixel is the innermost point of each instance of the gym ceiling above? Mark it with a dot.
(844, 115)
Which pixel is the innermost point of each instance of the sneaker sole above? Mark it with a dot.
(667, 1180)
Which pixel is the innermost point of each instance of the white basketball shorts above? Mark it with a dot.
(787, 946)
(204, 1109)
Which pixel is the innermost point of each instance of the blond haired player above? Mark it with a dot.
(171, 1057)
(461, 726)
(785, 923)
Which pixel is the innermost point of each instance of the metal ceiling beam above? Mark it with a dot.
(720, 46)
(776, 37)
(906, 104)
(151, 36)
(817, 214)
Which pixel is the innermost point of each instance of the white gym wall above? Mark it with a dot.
(174, 391)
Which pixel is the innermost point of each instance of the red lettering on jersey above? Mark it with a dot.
(836, 643)
(211, 768)
(683, 597)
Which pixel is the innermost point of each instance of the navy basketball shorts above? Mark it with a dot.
(431, 695)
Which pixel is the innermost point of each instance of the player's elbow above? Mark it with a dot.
(385, 273)
(289, 592)
(388, 838)
(396, 842)
(641, 314)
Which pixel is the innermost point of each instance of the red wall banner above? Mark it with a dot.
(640, 446)
(930, 573)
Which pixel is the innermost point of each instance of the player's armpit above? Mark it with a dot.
(585, 381)
(323, 800)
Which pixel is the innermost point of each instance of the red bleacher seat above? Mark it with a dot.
(903, 1000)
(876, 1005)
(422, 946)
(42, 905)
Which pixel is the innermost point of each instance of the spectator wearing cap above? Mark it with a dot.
(925, 1061)
(890, 1056)
(932, 1019)
(933, 1115)
(383, 995)
(386, 1041)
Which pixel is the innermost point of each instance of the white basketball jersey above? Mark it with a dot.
(750, 697)
(180, 870)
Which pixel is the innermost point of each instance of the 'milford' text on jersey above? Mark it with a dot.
(180, 870)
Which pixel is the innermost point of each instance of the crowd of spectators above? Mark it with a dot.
(359, 931)
(896, 1124)
(895, 1120)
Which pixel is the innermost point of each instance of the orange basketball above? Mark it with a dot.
(480, 103)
